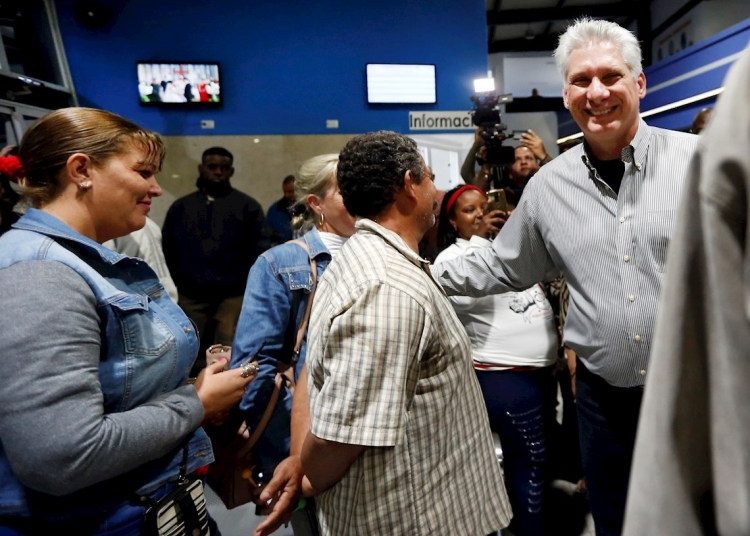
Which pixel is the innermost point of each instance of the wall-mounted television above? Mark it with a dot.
(400, 83)
(179, 84)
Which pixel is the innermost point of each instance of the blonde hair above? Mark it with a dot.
(47, 145)
(316, 176)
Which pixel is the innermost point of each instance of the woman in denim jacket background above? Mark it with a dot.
(275, 297)
(95, 408)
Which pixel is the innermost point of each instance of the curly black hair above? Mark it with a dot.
(371, 170)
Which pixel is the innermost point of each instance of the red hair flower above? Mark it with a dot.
(11, 166)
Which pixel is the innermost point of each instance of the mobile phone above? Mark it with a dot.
(517, 134)
(496, 200)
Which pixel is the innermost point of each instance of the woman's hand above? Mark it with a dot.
(492, 222)
(220, 390)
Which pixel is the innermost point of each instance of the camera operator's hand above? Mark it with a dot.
(478, 139)
(535, 144)
(484, 176)
(482, 156)
(492, 222)
(476, 155)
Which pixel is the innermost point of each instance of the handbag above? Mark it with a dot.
(182, 512)
(234, 475)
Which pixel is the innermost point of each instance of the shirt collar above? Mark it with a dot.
(475, 240)
(314, 243)
(634, 153)
(44, 223)
(394, 240)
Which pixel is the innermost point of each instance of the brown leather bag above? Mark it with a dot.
(231, 475)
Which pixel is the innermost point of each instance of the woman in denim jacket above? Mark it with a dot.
(95, 409)
(275, 297)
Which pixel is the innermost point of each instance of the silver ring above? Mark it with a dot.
(249, 369)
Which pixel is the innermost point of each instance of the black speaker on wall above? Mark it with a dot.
(96, 14)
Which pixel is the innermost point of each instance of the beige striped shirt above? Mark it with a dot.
(390, 368)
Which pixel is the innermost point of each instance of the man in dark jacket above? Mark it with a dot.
(210, 239)
(279, 214)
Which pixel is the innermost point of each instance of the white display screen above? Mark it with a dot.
(400, 83)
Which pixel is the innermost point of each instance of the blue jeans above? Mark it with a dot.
(607, 423)
(520, 407)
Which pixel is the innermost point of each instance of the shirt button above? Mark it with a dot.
(631, 298)
(626, 258)
(622, 219)
(643, 372)
(637, 338)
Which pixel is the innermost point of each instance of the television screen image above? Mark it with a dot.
(400, 83)
(179, 83)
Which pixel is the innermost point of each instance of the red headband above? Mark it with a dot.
(11, 167)
(453, 198)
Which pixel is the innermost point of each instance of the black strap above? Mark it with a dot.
(287, 350)
(184, 464)
(148, 501)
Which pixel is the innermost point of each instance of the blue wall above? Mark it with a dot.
(287, 66)
(703, 67)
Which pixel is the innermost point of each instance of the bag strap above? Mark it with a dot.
(149, 502)
(264, 420)
(284, 370)
(302, 328)
(184, 464)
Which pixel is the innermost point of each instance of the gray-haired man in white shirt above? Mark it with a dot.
(602, 215)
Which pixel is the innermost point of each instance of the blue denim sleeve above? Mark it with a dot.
(260, 333)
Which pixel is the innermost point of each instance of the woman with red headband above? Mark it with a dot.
(514, 344)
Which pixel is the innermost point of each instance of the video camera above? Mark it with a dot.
(486, 115)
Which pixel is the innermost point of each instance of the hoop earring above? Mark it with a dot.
(322, 220)
(84, 185)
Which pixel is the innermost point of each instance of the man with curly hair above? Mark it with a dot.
(399, 440)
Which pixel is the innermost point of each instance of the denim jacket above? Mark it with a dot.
(147, 348)
(275, 297)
